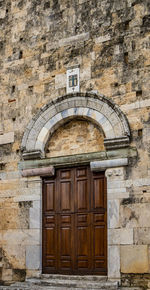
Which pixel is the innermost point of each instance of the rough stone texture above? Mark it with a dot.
(135, 280)
(75, 136)
(109, 41)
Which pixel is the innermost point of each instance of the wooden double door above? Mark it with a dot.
(75, 222)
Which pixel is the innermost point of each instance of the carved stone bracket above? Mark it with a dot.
(50, 171)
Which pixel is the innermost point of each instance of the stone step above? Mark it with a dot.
(68, 284)
(69, 277)
(63, 282)
(68, 281)
(33, 287)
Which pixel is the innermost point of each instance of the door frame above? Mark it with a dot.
(115, 173)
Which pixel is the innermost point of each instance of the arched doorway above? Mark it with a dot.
(104, 114)
(98, 109)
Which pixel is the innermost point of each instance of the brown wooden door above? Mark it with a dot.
(75, 222)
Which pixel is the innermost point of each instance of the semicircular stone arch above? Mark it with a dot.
(96, 108)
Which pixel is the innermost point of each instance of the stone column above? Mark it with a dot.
(34, 247)
(116, 190)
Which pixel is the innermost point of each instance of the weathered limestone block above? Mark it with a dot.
(114, 262)
(134, 259)
(60, 81)
(73, 39)
(113, 214)
(134, 215)
(33, 257)
(7, 275)
(85, 73)
(142, 236)
(120, 236)
(104, 38)
(15, 254)
(14, 217)
(21, 237)
(35, 215)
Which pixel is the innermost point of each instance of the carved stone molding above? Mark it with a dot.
(115, 172)
(119, 142)
(36, 154)
(96, 108)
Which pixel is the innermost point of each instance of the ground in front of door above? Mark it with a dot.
(64, 282)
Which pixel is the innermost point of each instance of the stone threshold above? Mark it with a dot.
(45, 281)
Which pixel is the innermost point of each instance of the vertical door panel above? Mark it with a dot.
(81, 189)
(65, 196)
(98, 193)
(65, 240)
(65, 190)
(82, 196)
(49, 204)
(82, 234)
(49, 242)
(99, 224)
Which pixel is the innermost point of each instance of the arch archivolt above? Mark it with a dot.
(98, 109)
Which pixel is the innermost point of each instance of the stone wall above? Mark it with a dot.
(39, 40)
(75, 137)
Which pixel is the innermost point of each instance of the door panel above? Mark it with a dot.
(49, 242)
(64, 191)
(65, 242)
(98, 193)
(75, 222)
(65, 196)
(82, 250)
(49, 204)
(82, 197)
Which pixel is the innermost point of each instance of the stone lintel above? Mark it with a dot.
(37, 154)
(79, 159)
(118, 142)
(50, 171)
(102, 165)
